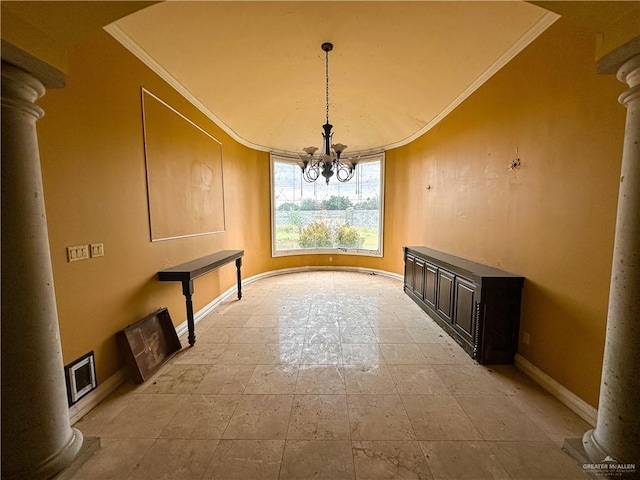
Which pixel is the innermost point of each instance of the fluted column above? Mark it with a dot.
(617, 432)
(37, 438)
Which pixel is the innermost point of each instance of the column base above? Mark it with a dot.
(597, 462)
(90, 445)
(53, 465)
(592, 448)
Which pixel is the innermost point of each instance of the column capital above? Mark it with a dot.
(612, 62)
(629, 73)
(20, 90)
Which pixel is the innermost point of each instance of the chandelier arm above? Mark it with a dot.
(344, 173)
(311, 174)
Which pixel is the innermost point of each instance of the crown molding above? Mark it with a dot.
(127, 42)
(534, 32)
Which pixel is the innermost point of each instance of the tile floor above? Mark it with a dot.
(329, 375)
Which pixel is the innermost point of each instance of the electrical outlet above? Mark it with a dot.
(78, 252)
(526, 338)
(97, 250)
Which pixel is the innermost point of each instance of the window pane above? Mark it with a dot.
(309, 217)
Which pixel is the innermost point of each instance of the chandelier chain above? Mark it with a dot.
(327, 81)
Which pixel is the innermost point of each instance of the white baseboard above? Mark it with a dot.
(208, 308)
(85, 404)
(581, 408)
(93, 398)
(284, 271)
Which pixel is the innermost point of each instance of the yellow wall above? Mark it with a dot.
(616, 22)
(93, 166)
(92, 155)
(46, 29)
(551, 221)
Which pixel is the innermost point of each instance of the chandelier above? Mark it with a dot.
(329, 162)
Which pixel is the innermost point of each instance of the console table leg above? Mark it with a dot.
(238, 266)
(187, 290)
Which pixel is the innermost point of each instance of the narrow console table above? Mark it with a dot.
(477, 305)
(189, 271)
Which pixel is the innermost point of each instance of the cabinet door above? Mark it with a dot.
(465, 310)
(418, 277)
(409, 262)
(430, 283)
(445, 294)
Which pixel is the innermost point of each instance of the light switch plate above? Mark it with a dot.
(97, 250)
(78, 252)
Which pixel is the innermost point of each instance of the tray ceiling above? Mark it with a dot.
(397, 68)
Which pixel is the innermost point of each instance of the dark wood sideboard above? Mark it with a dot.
(477, 305)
